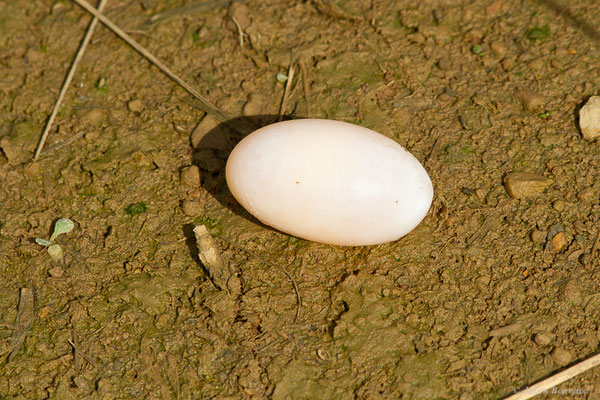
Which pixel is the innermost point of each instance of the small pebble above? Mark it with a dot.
(589, 118)
(135, 105)
(94, 117)
(579, 226)
(207, 125)
(241, 14)
(481, 193)
(56, 272)
(323, 354)
(111, 204)
(11, 150)
(586, 194)
(57, 8)
(525, 184)
(543, 338)
(82, 383)
(559, 241)
(192, 208)
(190, 176)
(589, 339)
(574, 255)
(537, 64)
(572, 290)
(456, 366)
(254, 105)
(561, 357)
(585, 258)
(248, 86)
(499, 48)
(537, 236)
(530, 100)
(559, 205)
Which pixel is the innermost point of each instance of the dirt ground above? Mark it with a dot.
(475, 303)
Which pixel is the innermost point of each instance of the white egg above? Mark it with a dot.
(330, 182)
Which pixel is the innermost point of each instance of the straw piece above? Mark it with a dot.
(556, 379)
(207, 106)
(286, 92)
(224, 278)
(25, 318)
(67, 82)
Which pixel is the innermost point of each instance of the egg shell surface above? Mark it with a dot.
(330, 182)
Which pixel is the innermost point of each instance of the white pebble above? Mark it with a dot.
(330, 182)
(589, 118)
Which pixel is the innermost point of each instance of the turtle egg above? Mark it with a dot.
(330, 182)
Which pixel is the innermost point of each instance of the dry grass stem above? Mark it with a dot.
(556, 379)
(62, 143)
(286, 92)
(240, 32)
(23, 322)
(206, 105)
(84, 355)
(67, 82)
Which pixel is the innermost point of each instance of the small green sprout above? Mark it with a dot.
(546, 114)
(136, 208)
(206, 220)
(196, 37)
(539, 32)
(63, 225)
(477, 50)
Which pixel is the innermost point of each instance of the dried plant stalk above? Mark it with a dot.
(209, 255)
(67, 82)
(556, 379)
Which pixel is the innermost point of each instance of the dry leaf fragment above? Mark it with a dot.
(24, 320)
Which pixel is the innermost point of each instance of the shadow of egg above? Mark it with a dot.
(212, 142)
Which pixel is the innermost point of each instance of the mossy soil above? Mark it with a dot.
(473, 304)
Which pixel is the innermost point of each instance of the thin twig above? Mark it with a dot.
(76, 360)
(240, 32)
(207, 106)
(67, 82)
(62, 143)
(556, 379)
(298, 299)
(286, 93)
(84, 355)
